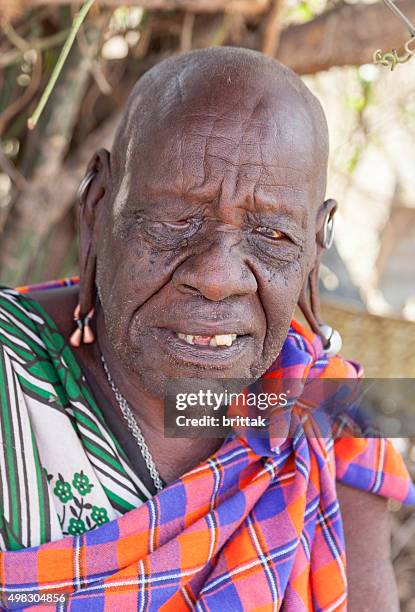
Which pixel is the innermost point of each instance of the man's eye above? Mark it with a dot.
(269, 232)
(180, 224)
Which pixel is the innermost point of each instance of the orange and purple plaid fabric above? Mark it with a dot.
(255, 527)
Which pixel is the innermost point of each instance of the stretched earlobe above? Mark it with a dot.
(91, 191)
(85, 309)
(87, 286)
(309, 304)
(309, 300)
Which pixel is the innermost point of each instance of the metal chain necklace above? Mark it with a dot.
(135, 429)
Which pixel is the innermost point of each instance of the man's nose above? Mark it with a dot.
(217, 273)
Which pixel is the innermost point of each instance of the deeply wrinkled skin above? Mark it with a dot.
(209, 219)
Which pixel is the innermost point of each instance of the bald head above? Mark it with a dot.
(236, 98)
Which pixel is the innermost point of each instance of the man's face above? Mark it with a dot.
(206, 239)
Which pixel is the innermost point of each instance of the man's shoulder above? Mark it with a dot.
(59, 304)
(16, 307)
(20, 321)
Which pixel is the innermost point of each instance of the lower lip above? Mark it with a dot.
(202, 355)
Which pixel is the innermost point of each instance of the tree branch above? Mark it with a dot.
(28, 216)
(345, 35)
(348, 34)
(246, 7)
(56, 197)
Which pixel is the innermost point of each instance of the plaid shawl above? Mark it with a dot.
(256, 526)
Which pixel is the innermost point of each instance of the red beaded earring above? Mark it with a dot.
(83, 334)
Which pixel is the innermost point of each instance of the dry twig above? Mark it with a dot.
(77, 22)
(19, 104)
(247, 7)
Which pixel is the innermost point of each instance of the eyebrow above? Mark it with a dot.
(282, 198)
(163, 205)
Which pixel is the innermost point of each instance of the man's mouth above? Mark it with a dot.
(215, 340)
(204, 348)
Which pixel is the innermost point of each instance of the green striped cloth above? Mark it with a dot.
(62, 471)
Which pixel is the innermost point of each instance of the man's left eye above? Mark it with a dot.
(180, 224)
(269, 232)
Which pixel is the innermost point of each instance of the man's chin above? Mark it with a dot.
(155, 367)
(189, 378)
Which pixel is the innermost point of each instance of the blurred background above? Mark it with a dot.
(368, 277)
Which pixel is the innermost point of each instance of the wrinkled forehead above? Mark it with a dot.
(202, 130)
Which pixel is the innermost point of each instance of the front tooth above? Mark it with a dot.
(213, 341)
(190, 339)
(224, 340)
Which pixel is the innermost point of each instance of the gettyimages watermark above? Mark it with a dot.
(211, 405)
(323, 407)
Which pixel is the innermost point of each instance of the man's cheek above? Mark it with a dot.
(280, 297)
(283, 284)
(137, 275)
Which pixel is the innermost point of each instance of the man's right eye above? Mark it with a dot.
(170, 234)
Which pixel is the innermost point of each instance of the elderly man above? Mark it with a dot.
(200, 233)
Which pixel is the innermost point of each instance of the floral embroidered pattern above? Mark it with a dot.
(81, 483)
(72, 496)
(99, 515)
(76, 527)
(63, 491)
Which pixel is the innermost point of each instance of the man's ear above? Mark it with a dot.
(309, 299)
(96, 184)
(324, 223)
(93, 188)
